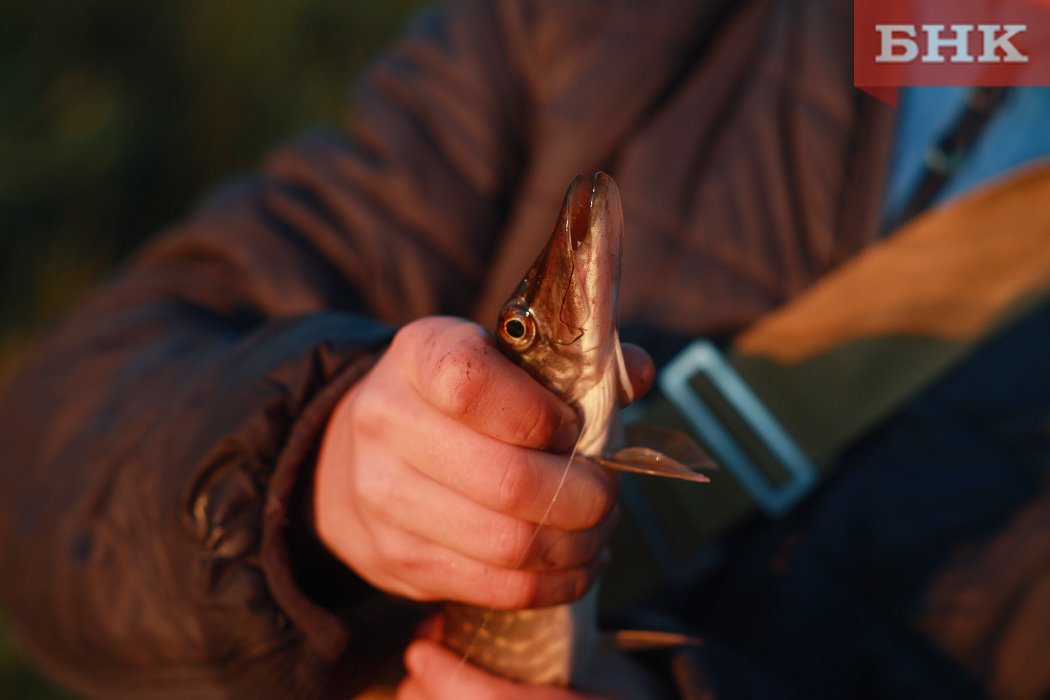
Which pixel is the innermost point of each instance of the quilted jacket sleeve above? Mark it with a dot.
(155, 443)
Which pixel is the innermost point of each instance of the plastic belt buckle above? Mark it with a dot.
(701, 356)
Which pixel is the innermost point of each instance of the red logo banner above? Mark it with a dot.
(900, 43)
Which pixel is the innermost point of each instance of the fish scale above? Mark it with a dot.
(560, 326)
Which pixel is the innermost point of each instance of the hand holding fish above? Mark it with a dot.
(439, 477)
(435, 673)
(432, 477)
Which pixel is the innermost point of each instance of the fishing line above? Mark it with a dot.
(521, 557)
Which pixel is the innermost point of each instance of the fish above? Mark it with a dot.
(560, 326)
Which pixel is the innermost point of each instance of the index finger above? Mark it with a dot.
(468, 379)
(435, 673)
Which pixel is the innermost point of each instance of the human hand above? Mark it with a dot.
(431, 480)
(436, 673)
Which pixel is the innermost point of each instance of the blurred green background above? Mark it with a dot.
(116, 114)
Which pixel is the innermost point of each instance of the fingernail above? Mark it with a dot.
(566, 437)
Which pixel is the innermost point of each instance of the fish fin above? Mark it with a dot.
(673, 444)
(659, 452)
(644, 640)
(645, 460)
(625, 391)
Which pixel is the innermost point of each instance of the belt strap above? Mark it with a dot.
(810, 378)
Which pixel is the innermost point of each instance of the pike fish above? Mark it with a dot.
(560, 326)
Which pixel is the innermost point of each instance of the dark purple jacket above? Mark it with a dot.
(157, 444)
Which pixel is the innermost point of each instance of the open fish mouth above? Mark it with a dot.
(590, 232)
(591, 236)
(577, 275)
(585, 200)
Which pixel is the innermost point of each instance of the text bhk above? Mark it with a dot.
(991, 43)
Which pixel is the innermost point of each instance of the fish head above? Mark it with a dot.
(559, 325)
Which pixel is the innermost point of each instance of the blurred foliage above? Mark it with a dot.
(116, 114)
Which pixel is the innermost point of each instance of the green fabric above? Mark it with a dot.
(826, 403)
(829, 400)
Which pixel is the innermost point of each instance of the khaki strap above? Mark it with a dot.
(841, 358)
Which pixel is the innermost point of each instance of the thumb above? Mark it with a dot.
(640, 369)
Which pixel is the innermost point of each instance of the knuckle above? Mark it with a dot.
(403, 337)
(569, 549)
(594, 501)
(372, 412)
(372, 424)
(521, 590)
(518, 485)
(420, 332)
(595, 512)
(405, 555)
(377, 487)
(459, 380)
(513, 544)
(537, 425)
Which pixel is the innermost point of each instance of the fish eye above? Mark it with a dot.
(518, 329)
(514, 328)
